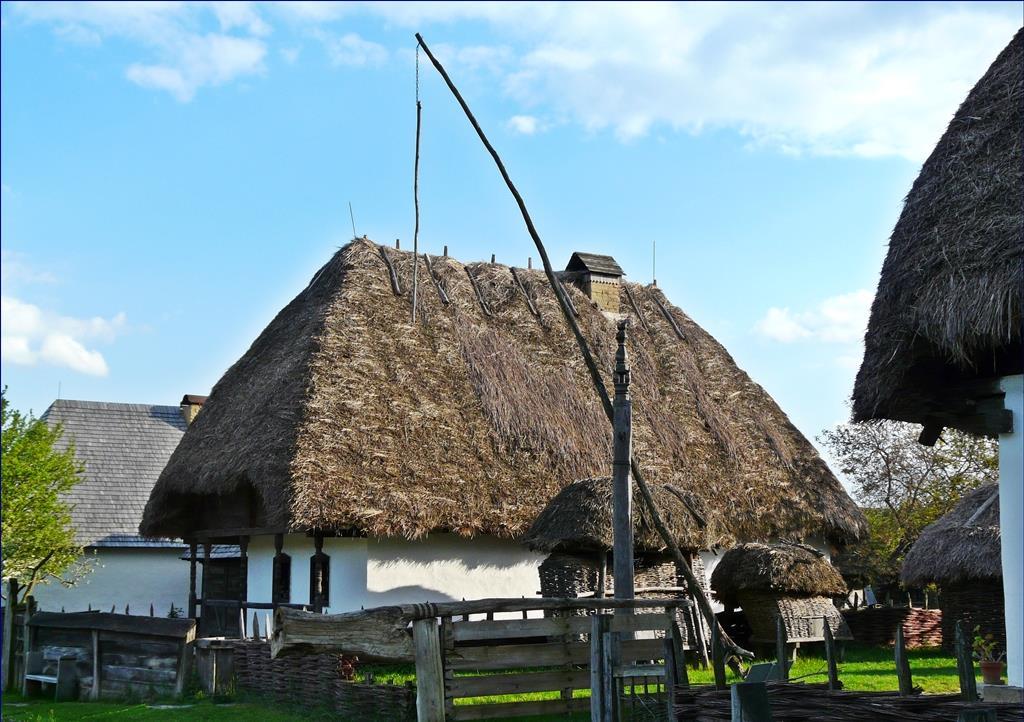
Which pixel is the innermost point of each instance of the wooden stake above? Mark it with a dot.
(965, 665)
(717, 656)
(588, 358)
(780, 648)
(830, 659)
(429, 672)
(906, 684)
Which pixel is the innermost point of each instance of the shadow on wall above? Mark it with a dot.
(481, 552)
(406, 595)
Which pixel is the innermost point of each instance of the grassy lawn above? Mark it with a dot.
(865, 668)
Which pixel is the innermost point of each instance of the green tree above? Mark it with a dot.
(38, 536)
(903, 486)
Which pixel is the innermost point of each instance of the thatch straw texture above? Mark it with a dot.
(788, 569)
(345, 416)
(948, 307)
(962, 546)
(580, 518)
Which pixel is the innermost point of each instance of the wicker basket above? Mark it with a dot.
(802, 616)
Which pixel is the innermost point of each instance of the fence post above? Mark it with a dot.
(749, 702)
(902, 663)
(429, 674)
(830, 658)
(717, 657)
(780, 649)
(8, 652)
(598, 627)
(965, 665)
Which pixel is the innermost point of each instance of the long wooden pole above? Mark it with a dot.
(416, 194)
(588, 359)
(622, 486)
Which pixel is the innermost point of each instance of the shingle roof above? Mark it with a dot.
(595, 263)
(123, 447)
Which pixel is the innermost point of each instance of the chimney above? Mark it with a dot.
(600, 277)
(190, 405)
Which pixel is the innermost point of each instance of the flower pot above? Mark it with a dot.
(991, 672)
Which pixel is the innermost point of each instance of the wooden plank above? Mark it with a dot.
(830, 659)
(11, 594)
(598, 628)
(94, 692)
(429, 672)
(116, 673)
(184, 670)
(519, 628)
(639, 670)
(965, 664)
(513, 656)
(519, 683)
(549, 707)
(609, 687)
(906, 684)
(148, 626)
(749, 701)
(640, 622)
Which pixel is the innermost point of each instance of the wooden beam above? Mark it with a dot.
(429, 672)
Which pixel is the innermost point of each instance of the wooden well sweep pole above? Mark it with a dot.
(595, 375)
(622, 485)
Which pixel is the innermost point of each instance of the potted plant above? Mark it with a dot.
(989, 660)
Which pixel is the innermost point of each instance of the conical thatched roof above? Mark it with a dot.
(792, 569)
(345, 416)
(961, 546)
(948, 307)
(580, 517)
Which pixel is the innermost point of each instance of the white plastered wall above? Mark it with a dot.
(137, 577)
(1011, 504)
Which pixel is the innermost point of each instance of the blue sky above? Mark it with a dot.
(173, 173)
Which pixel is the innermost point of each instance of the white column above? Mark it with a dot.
(1011, 505)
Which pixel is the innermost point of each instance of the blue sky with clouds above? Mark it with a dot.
(173, 173)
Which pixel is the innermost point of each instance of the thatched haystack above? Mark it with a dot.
(948, 309)
(961, 552)
(794, 581)
(346, 416)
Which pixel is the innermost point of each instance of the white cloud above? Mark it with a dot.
(351, 49)
(185, 58)
(524, 124)
(15, 270)
(30, 335)
(838, 319)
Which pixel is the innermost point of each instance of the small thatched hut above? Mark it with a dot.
(413, 456)
(794, 581)
(575, 528)
(944, 343)
(961, 553)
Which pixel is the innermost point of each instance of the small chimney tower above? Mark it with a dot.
(190, 406)
(600, 277)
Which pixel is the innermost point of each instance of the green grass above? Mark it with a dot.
(864, 669)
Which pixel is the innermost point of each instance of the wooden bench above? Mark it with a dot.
(65, 682)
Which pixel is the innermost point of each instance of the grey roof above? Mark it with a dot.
(123, 447)
(594, 263)
(217, 551)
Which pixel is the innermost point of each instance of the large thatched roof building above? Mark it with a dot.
(947, 315)
(961, 553)
(346, 418)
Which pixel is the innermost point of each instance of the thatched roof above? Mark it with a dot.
(345, 416)
(792, 569)
(580, 518)
(961, 546)
(948, 307)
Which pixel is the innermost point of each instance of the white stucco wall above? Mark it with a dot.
(1011, 503)
(375, 572)
(137, 577)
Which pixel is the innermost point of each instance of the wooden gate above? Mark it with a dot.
(619, 666)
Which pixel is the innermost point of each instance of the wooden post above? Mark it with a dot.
(906, 684)
(965, 665)
(599, 626)
(429, 673)
(26, 639)
(622, 486)
(602, 574)
(320, 574)
(243, 573)
(717, 657)
(610, 688)
(830, 658)
(675, 666)
(750, 702)
(780, 649)
(94, 693)
(255, 630)
(8, 651)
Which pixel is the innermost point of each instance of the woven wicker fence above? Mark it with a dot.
(978, 603)
(316, 680)
(876, 626)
